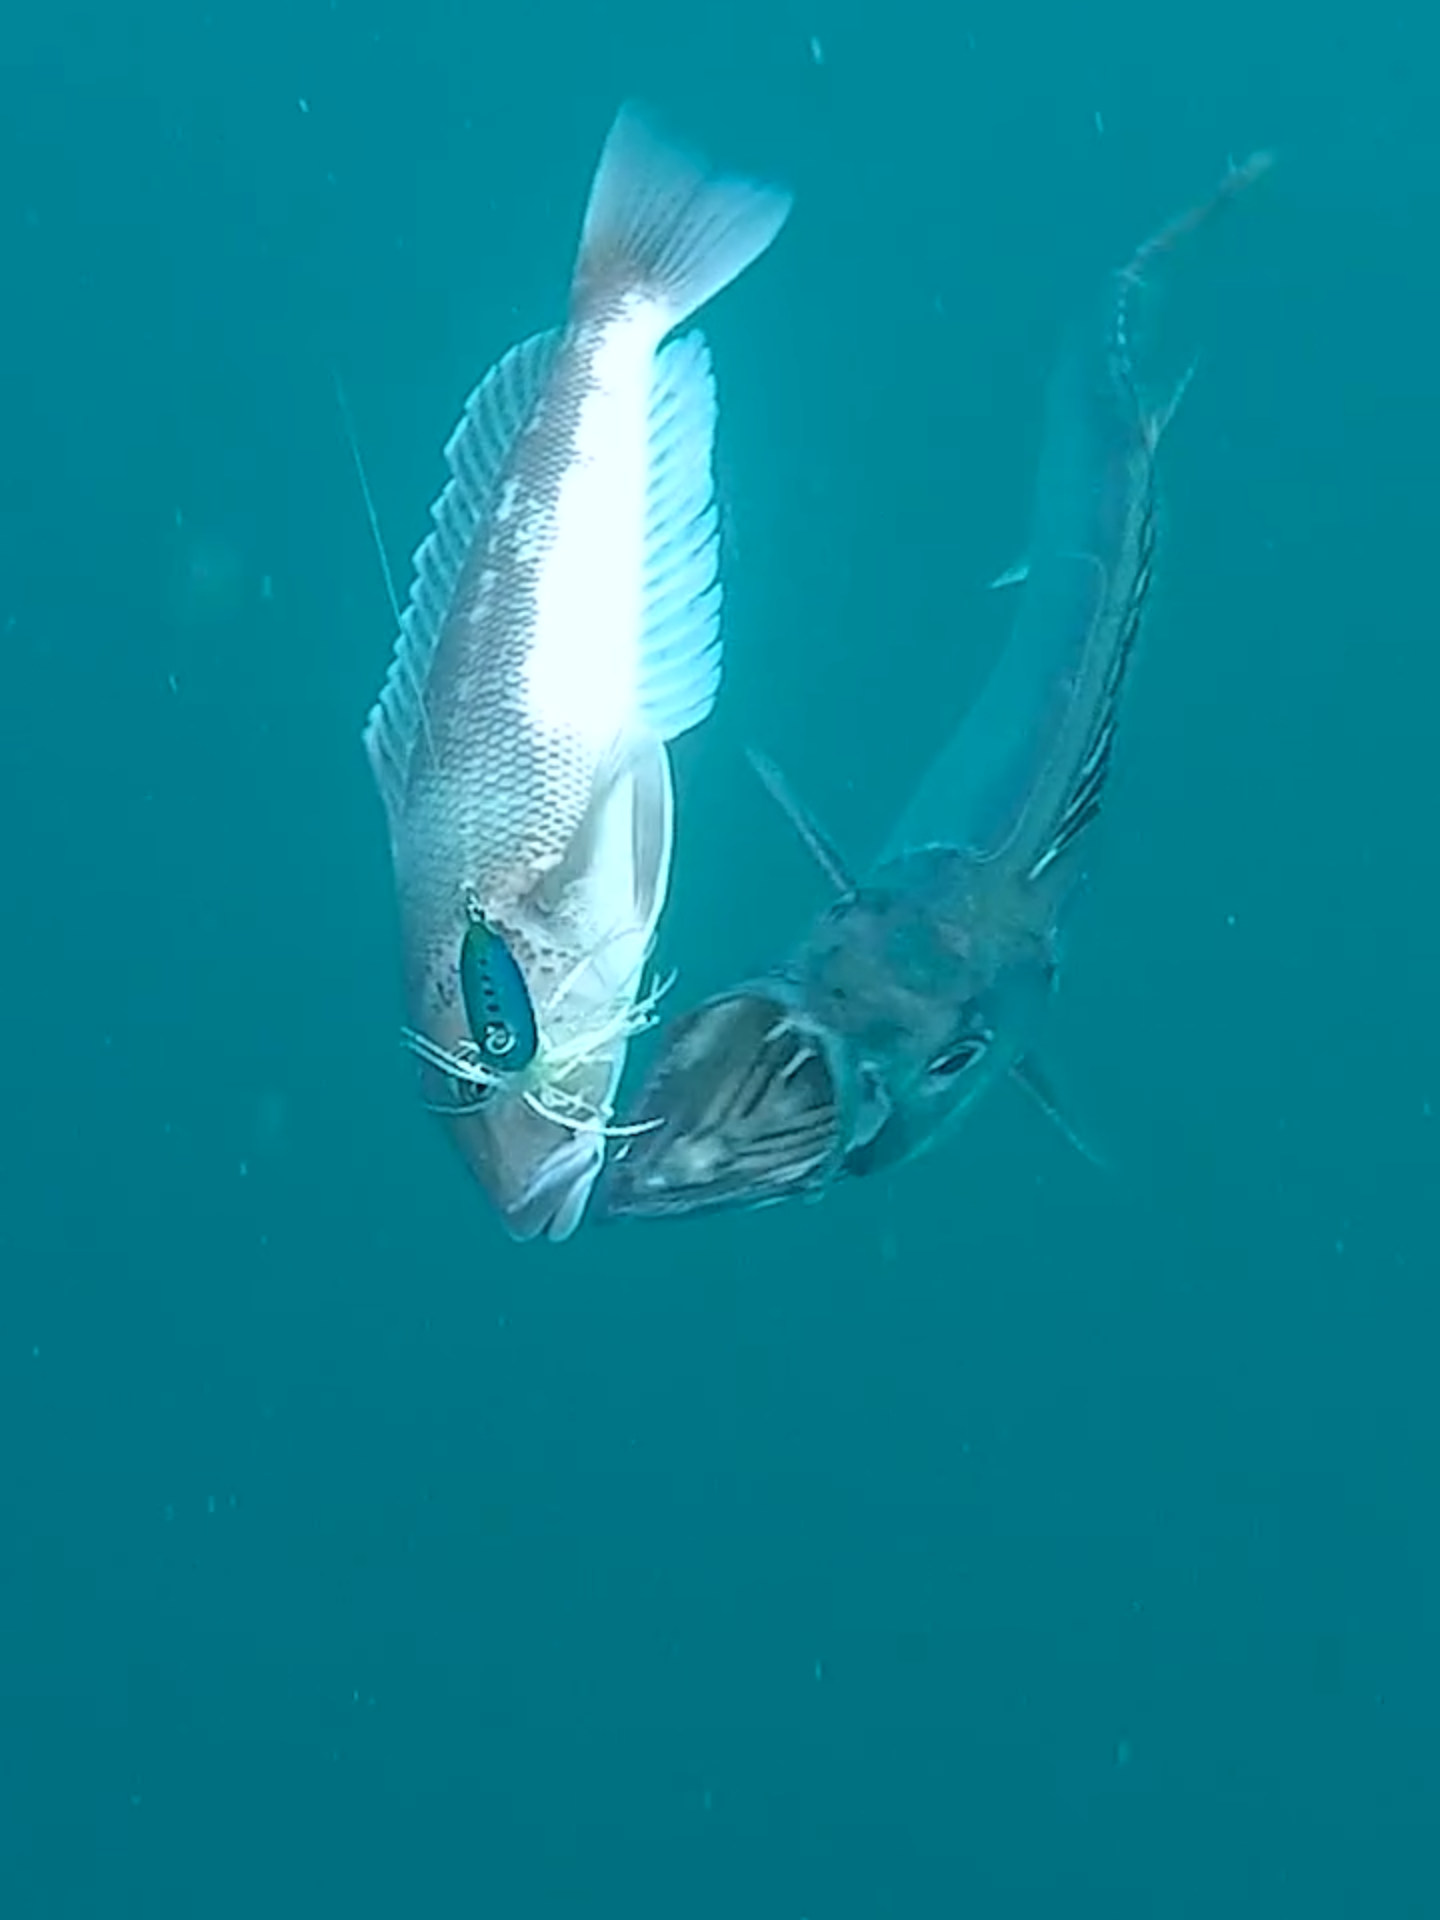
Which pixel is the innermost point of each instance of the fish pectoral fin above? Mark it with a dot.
(625, 837)
(1029, 1073)
(827, 856)
(652, 829)
(1015, 576)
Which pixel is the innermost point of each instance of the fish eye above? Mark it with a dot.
(956, 1059)
(462, 1097)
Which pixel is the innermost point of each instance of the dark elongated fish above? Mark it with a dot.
(926, 981)
(562, 628)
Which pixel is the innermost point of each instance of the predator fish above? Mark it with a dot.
(926, 981)
(563, 626)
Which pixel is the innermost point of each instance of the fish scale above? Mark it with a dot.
(927, 981)
(562, 629)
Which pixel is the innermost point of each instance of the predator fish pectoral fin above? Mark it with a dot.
(1028, 1073)
(823, 850)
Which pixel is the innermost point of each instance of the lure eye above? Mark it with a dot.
(954, 1060)
(498, 1042)
(497, 1001)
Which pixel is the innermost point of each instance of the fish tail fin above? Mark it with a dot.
(662, 222)
(1131, 280)
(1238, 178)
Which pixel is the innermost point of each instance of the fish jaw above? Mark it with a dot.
(535, 1147)
(537, 1173)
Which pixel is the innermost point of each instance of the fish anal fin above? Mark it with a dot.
(1030, 1073)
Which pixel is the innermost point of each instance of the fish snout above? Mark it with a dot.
(537, 1174)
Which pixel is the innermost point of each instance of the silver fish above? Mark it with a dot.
(926, 982)
(563, 627)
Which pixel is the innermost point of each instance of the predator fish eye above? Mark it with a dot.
(955, 1059)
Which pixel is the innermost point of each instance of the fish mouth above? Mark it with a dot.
(741, 1109)
(537, 1174)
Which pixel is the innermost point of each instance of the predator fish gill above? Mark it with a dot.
(927, 982)
(562, 628)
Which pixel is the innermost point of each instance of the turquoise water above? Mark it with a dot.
(1001, 1540)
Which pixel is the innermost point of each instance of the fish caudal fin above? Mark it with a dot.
(661, 221)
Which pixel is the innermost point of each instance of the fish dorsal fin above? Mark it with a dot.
(679, 650)
(495, 415)
(823, 850)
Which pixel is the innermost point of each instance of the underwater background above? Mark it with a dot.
(1001, 1539)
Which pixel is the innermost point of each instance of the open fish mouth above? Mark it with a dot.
(741, 1109)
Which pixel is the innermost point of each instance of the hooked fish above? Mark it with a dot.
(926, 981)
(562, 628)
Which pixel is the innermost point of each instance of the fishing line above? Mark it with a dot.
(348, 422)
